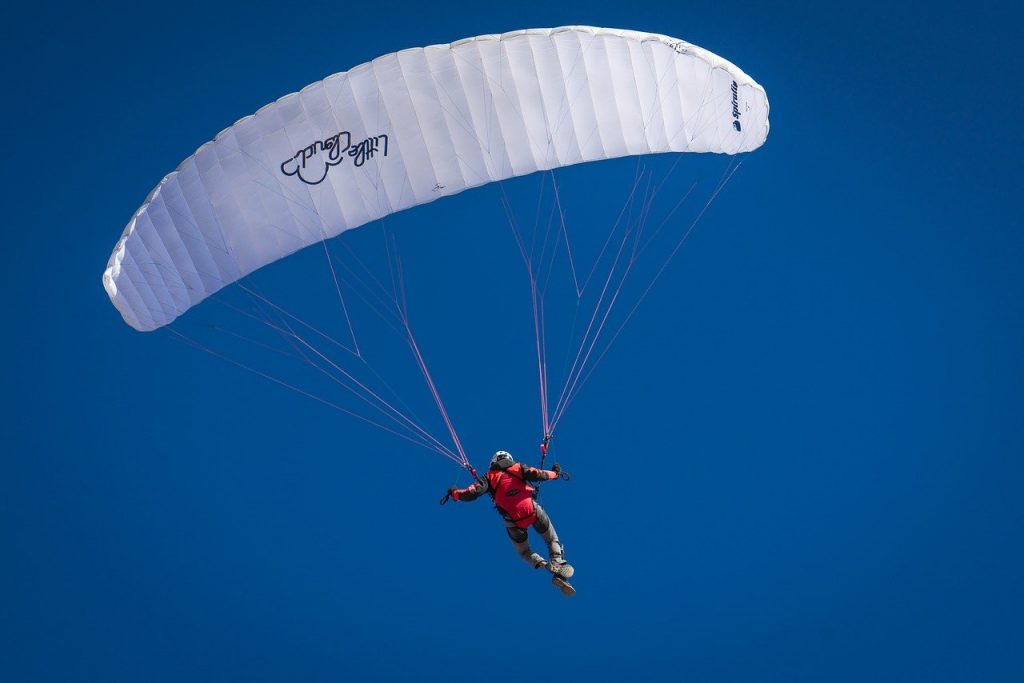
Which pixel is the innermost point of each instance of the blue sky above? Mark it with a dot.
(800, 462)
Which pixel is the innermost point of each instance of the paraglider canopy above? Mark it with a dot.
(411, 127)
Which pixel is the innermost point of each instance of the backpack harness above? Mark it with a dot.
(512, 495)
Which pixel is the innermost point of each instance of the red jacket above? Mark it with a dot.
(510, 490)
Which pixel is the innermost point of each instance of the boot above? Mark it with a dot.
(560, 567)
(563, 585)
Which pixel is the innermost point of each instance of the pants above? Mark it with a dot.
(543, 526)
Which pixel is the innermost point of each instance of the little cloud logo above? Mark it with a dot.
(312, 163)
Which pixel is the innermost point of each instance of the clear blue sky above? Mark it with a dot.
(800, 462)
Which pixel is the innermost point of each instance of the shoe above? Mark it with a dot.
(563, 585)
(561, 568)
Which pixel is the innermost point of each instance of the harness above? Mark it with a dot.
(515, 505)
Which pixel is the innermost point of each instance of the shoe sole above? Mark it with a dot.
(563, 585)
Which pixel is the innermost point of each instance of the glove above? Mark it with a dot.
(557, 469)
(450, 494)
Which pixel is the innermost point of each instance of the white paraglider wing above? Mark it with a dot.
(411, 127)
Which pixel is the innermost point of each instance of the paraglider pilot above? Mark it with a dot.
(507, 482)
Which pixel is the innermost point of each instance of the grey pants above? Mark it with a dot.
(544, 527)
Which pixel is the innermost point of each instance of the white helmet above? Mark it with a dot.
(502, 460)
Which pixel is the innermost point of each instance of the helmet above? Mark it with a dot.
(502, 460)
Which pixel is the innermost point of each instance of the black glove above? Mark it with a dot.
(451, 491)
(556, 468)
